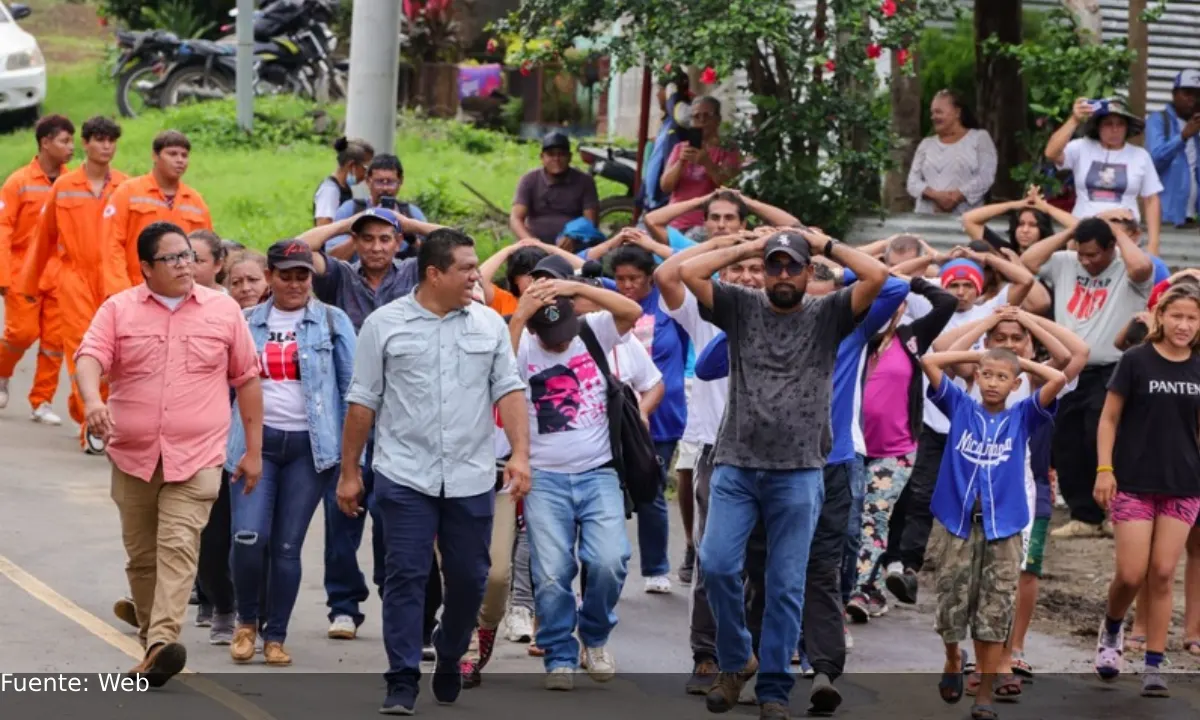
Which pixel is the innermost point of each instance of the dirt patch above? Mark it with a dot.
(67, 32)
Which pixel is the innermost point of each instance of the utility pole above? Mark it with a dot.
(245, 64)
(1139, 42)
(374, 73)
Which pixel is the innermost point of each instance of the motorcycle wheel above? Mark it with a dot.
(615, 214)
(128, 93)
(211, 85)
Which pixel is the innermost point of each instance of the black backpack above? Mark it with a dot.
(632, 446)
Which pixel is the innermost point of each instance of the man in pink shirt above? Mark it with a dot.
(171, 350)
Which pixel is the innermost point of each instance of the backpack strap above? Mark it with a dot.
(593, 346)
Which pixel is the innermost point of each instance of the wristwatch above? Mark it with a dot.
(828, 251)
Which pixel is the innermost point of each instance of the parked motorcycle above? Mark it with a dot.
(620, 166)
(146, 59)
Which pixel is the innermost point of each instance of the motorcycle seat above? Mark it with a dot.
(208, 47)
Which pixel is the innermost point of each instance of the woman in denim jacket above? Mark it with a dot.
(306, 351)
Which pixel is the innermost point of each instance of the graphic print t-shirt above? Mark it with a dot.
(1107, 179)
(667, 344)
(283, 396)
(1095, 308)
(1155, 450)
(568, 405)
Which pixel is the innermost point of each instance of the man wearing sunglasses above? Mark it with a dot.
(773, 442)
(171, 350)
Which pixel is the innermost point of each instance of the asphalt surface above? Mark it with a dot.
(62, 565)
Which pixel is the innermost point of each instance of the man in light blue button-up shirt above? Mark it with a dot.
(428, 371)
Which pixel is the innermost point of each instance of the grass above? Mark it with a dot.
(261, 190)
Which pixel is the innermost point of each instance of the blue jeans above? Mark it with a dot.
(559, 508)
(274, 519)
(858, 497)
(463, 530)
(345, 586)
(653, 522)
(789, 503)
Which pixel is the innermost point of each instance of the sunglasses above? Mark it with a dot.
(775, 267)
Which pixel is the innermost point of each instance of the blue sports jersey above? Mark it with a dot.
(984, 462)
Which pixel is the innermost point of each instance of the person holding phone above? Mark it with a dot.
(700, 163)
(1171, 139)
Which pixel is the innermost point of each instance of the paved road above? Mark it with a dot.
(61, 566)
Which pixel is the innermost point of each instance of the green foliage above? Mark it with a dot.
(512, 115)
(437, 200)
(186, 18)
(279, 122)
(472, 139)
(947, 62)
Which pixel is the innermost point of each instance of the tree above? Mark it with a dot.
(999, 90)
(821, 129)
(906, 122)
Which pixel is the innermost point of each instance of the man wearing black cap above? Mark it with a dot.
(575, 492)
(550, 197)
(773, 442)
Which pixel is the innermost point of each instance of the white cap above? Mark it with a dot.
(1188, 80)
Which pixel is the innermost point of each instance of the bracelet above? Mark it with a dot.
(1104, 468)
(828, 251)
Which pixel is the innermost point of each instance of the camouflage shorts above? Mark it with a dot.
(976, 584)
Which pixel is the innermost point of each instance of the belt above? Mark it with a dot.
(977, 517)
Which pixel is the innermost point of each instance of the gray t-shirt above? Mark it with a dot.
(552, 204)
(780, 377)
(1094, 308)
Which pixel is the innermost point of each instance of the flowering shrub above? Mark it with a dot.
(820, 136)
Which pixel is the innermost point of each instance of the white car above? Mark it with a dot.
(22, 67)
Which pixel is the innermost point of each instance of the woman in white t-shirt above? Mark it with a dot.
(1109, 172)
(306, 358)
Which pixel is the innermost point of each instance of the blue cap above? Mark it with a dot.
(376, 213)
(583, 231)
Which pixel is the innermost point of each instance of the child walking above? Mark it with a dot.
(980, 509)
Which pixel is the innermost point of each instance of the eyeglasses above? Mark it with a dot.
(181, 258)
(381, 182)
(775, 268)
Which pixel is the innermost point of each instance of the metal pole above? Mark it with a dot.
(643, 133)
(374, 73)
(245, 65)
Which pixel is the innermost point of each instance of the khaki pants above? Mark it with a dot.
(495, 596)
(161, 524)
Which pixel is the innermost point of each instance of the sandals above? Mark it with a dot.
(1192, 647)
(1008, 689)
(973, 678)
(950, 687)
(1135, 643)
(1023, 669)
(983, 712)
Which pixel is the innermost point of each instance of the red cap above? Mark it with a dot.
(1157, 293)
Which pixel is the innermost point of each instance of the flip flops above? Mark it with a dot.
(1192, 647)
(1008, 689)
(983, 712)
(1022, 668)
(950, 687)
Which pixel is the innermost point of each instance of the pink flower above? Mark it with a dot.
(667, 68)
(902, 56)
(888, 8)
(874, 51)
(1041, 122)
(525, 68)
(491, 46)
(709, 76)
(830, 65)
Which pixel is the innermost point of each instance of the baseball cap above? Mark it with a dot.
(288, 254)
(556, 140)
(555, 324)
(554, 267)
(789, 243)
(379, 214)
(1187, 80)
(963, 269)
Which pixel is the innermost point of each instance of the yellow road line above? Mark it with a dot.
(94, 625)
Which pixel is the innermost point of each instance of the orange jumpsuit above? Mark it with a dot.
(134, 205)
(67, 245)
(25, 320)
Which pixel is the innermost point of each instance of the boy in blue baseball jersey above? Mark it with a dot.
(980, 508)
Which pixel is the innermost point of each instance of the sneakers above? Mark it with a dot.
(274, 654)
(447, 683)
(221, 632)
(93, 444)
(204, 615)
(658, 585)
(126, 611)
(518, 625)
(902, 584)
(428, 653)
(561, 679)
(471, 670)
(242, 648)
(472, 675)
(3, 393)
(342, 628)
(877, 604)
(401, 700)
(601, 666)
(857, 608)
(1154, 685)
(45, 415)
(1110, 652)
(727, 688)
(688, 568)
(1077, 529)
(824, 698)
(704, 673)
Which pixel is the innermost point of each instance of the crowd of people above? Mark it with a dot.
(837, 418)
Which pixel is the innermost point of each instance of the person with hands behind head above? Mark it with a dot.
(504, 301)
(430, 367)
(726, 211)
(1030, 220)
(577, 497)
(774, 439)
(1148, 477)
(171, 350)
(629, 236)
(980, 508)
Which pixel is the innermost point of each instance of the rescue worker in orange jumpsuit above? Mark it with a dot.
(32, 316)
(67, 245)
(159, 196)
